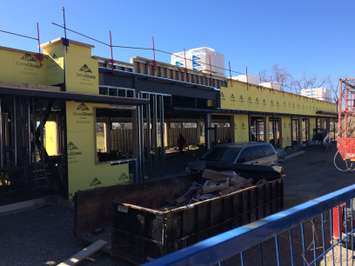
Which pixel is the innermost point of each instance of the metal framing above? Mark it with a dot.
(154, 122)
(158, 85)
(295, 139)
(140, 144)
(162, 122)
(118, 88)
(154, 115)
(208, 140)
(1, 137)
(29, 131)
(276, 126)
(21, 104)
(257, 119)
(15, 130)
(307, 129)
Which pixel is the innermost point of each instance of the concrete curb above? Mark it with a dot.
(293, 155)
(24, 205)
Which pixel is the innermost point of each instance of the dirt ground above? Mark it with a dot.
(44, 236)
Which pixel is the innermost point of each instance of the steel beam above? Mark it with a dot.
(161, 113)
(155, 122)
(207, 131)
(29, 143)
(149, 123)
(14, 124)
(1, 137)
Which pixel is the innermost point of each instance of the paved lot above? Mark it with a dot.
(312, 174)
(308, 176)
(44, 236)
(40, 237)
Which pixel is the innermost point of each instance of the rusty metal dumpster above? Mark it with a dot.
(142, 230)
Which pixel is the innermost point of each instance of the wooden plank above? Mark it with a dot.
(84, 253)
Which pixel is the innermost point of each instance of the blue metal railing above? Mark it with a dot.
(302, 235)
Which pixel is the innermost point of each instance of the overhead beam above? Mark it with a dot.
(69, 96)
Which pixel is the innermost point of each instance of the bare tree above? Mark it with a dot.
(314, 82)
(264, 76)
(306, 82)
(287, 82)
(277, 74)
(282, 76)
(333, 89)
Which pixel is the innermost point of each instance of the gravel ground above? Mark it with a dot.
(346, 258)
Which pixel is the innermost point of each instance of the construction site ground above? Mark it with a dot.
(44, 236)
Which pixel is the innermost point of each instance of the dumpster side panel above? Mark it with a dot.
(136, 233)
(93, 207)
(161, 234)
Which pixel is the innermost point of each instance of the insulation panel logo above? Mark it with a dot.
(28, 60)
(85, 72)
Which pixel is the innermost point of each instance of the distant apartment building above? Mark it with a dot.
(251, 79)
(320, 93)
(202, 59)
(255, 80)
(271, 85)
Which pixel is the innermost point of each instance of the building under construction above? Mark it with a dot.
(72, 121)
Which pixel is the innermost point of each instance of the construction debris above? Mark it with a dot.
(212, 184)
(217, 175)
(195, 187)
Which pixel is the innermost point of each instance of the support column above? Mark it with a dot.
(1, 137)
(161, 118)
(241, 128)
(29, 142)
(312, 126)
(140, 144)
(139, 136)
(286, 131)
(207, 131)
(149, 124)
(14, 124)
(267, 129)
(154, 122)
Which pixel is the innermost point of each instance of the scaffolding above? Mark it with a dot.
(346, 126)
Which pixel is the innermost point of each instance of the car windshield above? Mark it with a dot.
(221, 154)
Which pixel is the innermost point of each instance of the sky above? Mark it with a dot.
(307, 37)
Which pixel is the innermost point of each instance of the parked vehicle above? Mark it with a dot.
(230, 155)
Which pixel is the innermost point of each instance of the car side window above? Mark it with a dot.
(230, 155)
(248, 154)
(260, 152)
(256, 152)
(268, 150)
